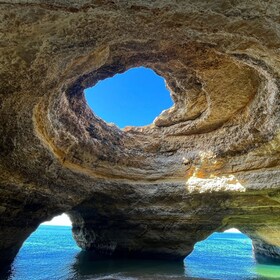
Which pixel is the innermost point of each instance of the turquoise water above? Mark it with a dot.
(51, 253)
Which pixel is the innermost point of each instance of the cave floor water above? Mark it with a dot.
(51, 253)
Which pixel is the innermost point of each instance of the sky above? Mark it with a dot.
(134, 98)
(61, 220)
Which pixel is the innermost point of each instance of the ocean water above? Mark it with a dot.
(51, 253)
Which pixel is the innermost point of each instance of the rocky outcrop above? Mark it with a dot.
(208, 163)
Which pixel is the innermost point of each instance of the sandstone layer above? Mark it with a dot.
(209, 163)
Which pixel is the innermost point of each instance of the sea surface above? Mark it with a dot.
(51, 253)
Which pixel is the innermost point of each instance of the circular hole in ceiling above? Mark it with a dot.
(133, 98)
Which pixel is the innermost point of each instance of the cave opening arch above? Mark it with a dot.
(229, 254)
(222, 254)
(49, 248)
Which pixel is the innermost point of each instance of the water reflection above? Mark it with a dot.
(87, 265)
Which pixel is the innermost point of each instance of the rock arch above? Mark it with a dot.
(209, 162)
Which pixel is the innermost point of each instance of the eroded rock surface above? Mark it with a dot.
(208, 163)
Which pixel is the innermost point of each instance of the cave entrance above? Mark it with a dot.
(133, 98)
(48, 252)
(226, 255)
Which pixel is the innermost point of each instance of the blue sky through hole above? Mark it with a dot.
(133, 98)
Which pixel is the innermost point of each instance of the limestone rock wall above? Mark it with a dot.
(208, 163)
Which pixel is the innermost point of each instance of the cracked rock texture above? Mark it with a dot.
(209, 163)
